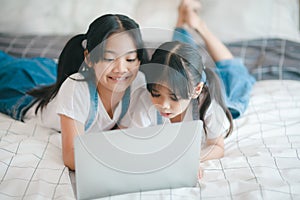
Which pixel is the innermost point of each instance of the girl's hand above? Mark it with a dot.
(200, 173)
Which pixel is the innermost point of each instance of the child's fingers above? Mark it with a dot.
(200, 173)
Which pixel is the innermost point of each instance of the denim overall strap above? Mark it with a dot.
(182, 35)
(195, 113)
(158, 118)
(125, 104)
(94, 104)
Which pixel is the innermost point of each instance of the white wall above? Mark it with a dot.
(74, 16)
(230, 20)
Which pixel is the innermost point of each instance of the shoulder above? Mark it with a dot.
(139, 81)
(215, 113)
(73, 98)
(216, 121)
(214, 107)
(138, 90)
(74, 88)
(74, 80)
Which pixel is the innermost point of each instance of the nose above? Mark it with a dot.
(119, 66)
(164, 103)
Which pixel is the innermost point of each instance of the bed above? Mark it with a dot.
(262, 156)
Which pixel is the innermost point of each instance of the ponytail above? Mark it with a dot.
(212, 90)
(69, 62)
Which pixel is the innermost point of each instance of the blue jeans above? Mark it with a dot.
(238, 84)
(19, 75)
(234, 75)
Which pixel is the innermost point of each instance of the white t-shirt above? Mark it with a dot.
(145, 115)
(73, 100)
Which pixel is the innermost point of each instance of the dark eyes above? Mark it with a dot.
(108, 60)
(172, 96)
(112, 59)
(155, 95)
(131, 60)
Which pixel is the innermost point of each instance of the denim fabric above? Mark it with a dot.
(237, 83)
(233, 74)
(182, 35)
(19, 75)
(94, 105)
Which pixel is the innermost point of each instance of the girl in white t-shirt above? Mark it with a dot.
(97, 97)
(181, 88)
(94, 99)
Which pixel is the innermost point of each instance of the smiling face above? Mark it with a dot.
(168, 104)
(120, 64)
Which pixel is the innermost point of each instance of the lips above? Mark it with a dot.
(164, 114)
(118, 78)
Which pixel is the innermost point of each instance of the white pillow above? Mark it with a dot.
(157, 19)
(56, 16)
(233, 20)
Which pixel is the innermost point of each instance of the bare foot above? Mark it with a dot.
(188, 13)
(195, 5)
(193, 20)
(181, 13)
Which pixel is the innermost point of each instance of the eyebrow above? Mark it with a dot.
(113, 52)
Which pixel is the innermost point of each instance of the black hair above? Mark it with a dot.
(183, 71)
(71, 59)
(104, 26)
(69, 62)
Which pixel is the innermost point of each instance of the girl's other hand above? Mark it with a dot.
(200, 173)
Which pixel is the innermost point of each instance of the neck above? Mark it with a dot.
(109, 99)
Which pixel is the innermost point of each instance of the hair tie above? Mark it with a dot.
(203, 77)
(83, 44)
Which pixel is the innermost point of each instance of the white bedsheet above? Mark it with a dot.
(262, 156)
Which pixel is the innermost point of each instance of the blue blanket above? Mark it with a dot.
(18, 76)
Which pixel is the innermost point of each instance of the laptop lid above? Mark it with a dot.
(137, 159)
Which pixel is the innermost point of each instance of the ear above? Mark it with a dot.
(197, 90)
(87, 58)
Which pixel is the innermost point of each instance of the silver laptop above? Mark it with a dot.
(137, 159)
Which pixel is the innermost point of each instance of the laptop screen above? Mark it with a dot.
(137, 159)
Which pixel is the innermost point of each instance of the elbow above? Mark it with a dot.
(69, 162)
(70, 165)
(221, 151)
(222, 154)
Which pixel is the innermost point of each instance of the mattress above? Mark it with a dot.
(262, 158)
